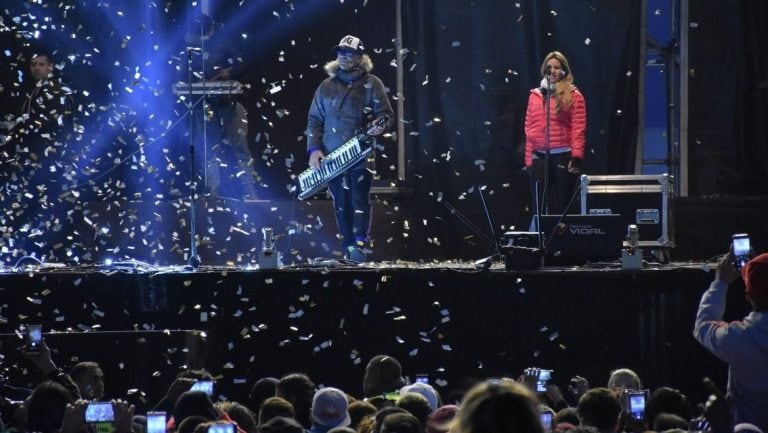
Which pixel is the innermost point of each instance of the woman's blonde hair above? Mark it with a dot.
(563, 87)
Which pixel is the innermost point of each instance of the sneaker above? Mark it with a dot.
(356, 255)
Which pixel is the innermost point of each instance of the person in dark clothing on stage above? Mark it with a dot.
(567, 126)
(215, 58)
(35, 153)
(45, 115)
(348, 102)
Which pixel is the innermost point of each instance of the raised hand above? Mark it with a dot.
(578, 387)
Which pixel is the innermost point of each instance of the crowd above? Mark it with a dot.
(73, 401)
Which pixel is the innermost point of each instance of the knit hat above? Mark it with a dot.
(329, 408)
(423, 389)
(350, 43)
(755, 274)
(383, 374)
(440, 421)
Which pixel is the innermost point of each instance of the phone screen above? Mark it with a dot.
(221, 428)
(741, 249)
(546, 420)
(637, 406)
(543, 379)
(156, 422)
(34, 338)
(422, 378)
(203, 385)
(99, 412)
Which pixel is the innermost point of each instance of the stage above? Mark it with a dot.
(452, 320)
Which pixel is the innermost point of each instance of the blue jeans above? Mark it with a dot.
(351, 204)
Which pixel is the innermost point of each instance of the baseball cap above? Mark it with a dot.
(329, 408)
(423, 389)
(350, 43)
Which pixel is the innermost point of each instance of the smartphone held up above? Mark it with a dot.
(203, 385)
(742, 250)
(543, 379)
(99, 412)
(156, 422)
(33, 338)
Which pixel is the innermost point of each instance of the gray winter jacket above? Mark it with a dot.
(743, 345)
(343, 106)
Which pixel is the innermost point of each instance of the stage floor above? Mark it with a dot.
(452, 320)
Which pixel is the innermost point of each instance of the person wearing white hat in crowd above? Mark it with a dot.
(425, 390)
(329, 410)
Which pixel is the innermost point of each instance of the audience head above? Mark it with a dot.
(194, 403)
(239, 414)
(329, 408)
(274, 407)
(441, 420)
(600, 408)
(263, 389)
(569, 415)
(755, 274)
(624, 378)
(383, 413)
(383, 374)
(89, 380)
(358, 410)
(670, 401)
(497, 406)
(417, 405)
(45, 407)
(298, 389)
(668, 421)
(190, 424)
(400, 423)
(425, 390)
(281, 424)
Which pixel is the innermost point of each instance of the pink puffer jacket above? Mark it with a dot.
(566, 128)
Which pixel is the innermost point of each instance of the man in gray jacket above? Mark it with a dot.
(743, 344)
(344, 105)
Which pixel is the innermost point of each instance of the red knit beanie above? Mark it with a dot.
(755, 274)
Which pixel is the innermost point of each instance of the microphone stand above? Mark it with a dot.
(194, 260)
(547, 103)
(543, 194)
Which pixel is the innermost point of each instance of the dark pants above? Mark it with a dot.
(560, 185)
(227, 155)
(351, 204)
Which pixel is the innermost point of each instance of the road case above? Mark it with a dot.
(644, 200)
